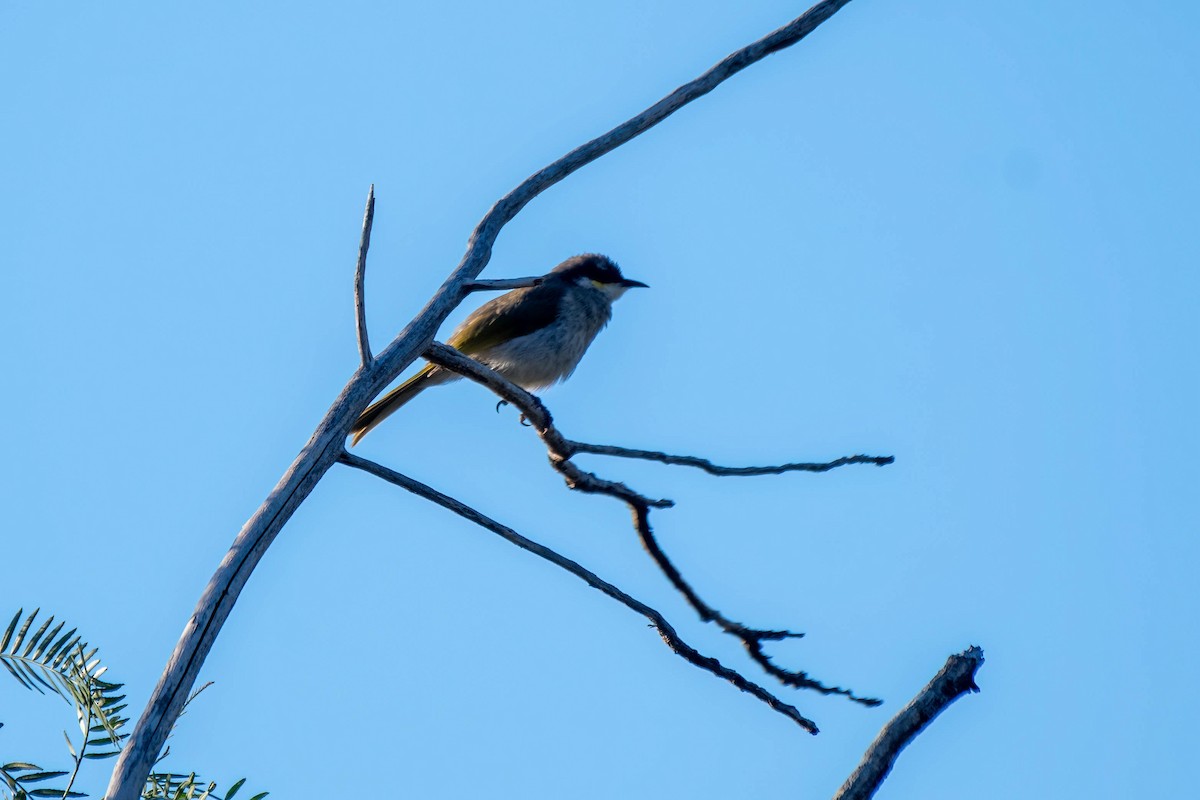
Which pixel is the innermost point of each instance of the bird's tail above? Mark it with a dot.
(382, 408)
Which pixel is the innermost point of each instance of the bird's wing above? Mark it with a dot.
(516, 313)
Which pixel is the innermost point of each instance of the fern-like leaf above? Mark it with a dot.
(64, 664)
(16, 774)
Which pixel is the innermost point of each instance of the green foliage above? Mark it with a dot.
(66, 666)
(17, 775)
(175, 786)
(50, 661)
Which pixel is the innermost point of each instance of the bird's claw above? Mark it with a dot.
(524, 421)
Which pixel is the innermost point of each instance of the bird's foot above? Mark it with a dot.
(503, 403)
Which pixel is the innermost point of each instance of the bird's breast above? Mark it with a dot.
(552, 353)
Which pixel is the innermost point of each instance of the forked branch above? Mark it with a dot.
(561, 450)
(664, 628)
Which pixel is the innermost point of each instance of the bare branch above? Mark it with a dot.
(479, 246)
(325, 445)
(443, 355)
(955, 679)
(714, 469)
(665, 630)
(360, 271)
(503, 284)
(562, 449)
(752, 638)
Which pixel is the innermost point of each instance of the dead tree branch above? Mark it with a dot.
(561, 449)
(664, 628)
(955, 679)
(715, 469)
(360, 272)
(326, 444)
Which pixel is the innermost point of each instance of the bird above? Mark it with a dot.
(534, 337)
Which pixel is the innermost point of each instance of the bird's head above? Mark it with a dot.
(595, 271)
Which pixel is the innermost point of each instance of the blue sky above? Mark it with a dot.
(960, 233)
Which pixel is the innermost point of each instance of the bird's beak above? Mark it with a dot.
(631, 284)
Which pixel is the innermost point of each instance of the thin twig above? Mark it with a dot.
(664, 628)
(752, 638)
(955, 679)
(715, 469)
(360, 272)
(562, 449)
(502, 284)
(82, 671)
(326, 443)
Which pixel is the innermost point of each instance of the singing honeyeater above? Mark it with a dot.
(535, 337)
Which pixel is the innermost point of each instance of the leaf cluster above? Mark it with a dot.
(17, 775)
(66, 665)
(176, 786)
(47, 660)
